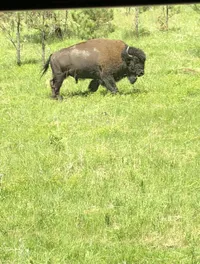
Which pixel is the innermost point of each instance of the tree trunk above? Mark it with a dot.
(43, 38)
(66, 20)
(137, 21)
(43, 46)
(167, 16)
(128, 11)
(18, 40)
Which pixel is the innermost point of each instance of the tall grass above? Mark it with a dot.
(98, 178)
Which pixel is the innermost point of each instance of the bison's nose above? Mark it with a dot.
(140, 73)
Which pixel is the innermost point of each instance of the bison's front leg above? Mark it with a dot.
(109, 83)
(93, 86)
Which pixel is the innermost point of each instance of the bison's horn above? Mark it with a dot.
(127, 52)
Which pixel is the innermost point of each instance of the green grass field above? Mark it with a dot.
(102, 179)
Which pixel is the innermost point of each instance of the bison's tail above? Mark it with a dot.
(46, 66)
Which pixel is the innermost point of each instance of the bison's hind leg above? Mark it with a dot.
(93, 86)
(56, 83)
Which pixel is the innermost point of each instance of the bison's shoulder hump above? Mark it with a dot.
(105, 41)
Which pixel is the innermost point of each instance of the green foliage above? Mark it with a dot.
(128, 34)
(92, 23)
(144, 8)
(8, 20)
(174, 9)
(8, 24)
(196, 7)
(40, 20)
(167, 13)
(11, 28)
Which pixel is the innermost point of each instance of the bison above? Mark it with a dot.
(105, 61)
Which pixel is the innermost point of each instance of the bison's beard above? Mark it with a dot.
(132, 79)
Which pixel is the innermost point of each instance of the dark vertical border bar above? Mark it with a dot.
(65, 4)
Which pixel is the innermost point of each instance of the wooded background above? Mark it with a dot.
(43, 26)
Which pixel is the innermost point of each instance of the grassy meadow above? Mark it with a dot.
(97, 178)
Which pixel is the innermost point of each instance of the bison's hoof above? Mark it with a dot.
(59, 98)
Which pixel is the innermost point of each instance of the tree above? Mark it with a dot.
(137, 21)
(57, 24)
(127, 10)
(11, 27)
(42, 21)
(66, 21)
(167, 12)
(196, 7)
(167, 16)
(93, 22)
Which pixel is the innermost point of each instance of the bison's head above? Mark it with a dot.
(135, 62)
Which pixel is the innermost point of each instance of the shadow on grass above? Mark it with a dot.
(194, 52)
(104, 93)
(134, 91)
(31, 61)
(129, 92)
(78, 93)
